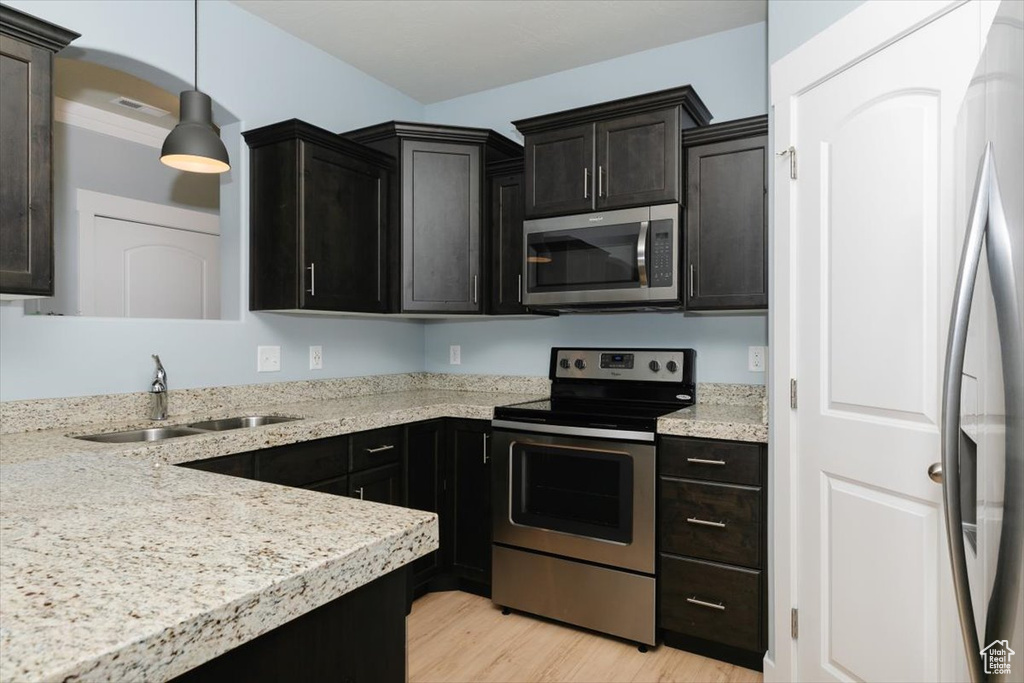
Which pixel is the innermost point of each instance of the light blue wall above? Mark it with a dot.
(260, 75)
(792, 23)
(729, 72)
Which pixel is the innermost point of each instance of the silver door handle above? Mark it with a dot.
(519, 288)
(691, 279)
(312, 279)
(641, 252)
(474, 288)
(600, 182)
(486, 458)
(586, 183)
(360, 492)
(705, 522)
(702, 603)
(702, 461)
(935, 472)
(381, 449)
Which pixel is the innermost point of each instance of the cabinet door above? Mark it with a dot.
(425, 489)
(26, 194)
(381, 484)
(237, 465)
(441, 219)
(471, 509)
(506, 224)
(727, 225)
(343, 232)
(300, 464)
(560, 171)
(638, 159)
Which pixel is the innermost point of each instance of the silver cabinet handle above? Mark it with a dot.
(586, 183)
(702, 461)
(691, 279)
(519, 288)
(935, 472)
(641, 252)
(704, 522)
(312, 279)
(360, 492)
(381, 449)
(486, 437)
(712, 605)
(600, 182)
(474, 288)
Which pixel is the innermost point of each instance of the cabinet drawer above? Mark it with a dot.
(303, 463)
(719, 522)
(375, 448)
(711, 601)
(729, 461)
(237, 465)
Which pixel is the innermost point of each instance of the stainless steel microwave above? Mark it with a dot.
(606, 260)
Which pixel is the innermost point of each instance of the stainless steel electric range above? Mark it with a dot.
(574, 489)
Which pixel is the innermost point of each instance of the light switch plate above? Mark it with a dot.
(268, 358)
(756, 358)
(316, 358)
(454, 355)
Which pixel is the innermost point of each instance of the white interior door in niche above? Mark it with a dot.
(145, 260)
(865, 261)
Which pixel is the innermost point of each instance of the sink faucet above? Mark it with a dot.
(158, 392)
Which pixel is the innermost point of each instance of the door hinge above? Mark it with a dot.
(794, 623)
(791, 151)
(792, 394)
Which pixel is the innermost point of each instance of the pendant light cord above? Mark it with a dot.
(195, 52)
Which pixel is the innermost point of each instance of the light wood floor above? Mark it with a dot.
(456, 636)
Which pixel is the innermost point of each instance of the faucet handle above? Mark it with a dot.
(161, 374)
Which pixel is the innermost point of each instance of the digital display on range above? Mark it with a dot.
(617, 360)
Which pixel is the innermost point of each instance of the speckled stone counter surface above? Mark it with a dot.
(734, 412)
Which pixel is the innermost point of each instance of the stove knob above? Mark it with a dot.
(671, 366)
(654, 366)
(580, 364)
(564, 363)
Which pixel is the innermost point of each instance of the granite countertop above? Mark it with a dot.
(117, 566)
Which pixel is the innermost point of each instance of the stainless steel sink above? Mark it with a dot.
(241, 422)
(136, 435)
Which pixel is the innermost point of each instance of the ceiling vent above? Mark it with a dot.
(141, 107)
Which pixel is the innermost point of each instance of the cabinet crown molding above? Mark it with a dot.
(695, 111)
(726, 131)
(438, 133)
(294, 129)
(29, 29)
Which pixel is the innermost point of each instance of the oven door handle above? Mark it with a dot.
(563, 430)
(641, 252)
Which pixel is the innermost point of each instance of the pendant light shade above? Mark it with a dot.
(194, 144)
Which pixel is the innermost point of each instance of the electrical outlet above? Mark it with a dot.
(454, 355)
(316, 358)
(268, 358)
(756, 358)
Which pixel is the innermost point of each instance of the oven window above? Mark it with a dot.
(573, 490)
(586, 258)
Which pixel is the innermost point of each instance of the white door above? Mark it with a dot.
(146, 260)
(873, 260)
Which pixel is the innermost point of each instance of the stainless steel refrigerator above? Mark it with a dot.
(983, 392)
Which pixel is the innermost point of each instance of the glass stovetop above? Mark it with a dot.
(587, 413)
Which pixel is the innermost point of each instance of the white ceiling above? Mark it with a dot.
(437, 50)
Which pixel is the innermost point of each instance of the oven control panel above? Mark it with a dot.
(635, 365)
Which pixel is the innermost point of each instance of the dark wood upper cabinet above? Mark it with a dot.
(27, 46)
(611, 155)
(505, 233)
(319, 221)
(437, 212)
(727, 215)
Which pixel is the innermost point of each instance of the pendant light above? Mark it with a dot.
(194, 145)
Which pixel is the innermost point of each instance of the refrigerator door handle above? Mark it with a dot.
(951, 385)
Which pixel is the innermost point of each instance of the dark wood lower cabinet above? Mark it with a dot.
(380, 485)
(424, 477)
(470, 475)
(358, 637)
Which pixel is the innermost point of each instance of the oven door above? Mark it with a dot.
(584, 498)
(609, 257)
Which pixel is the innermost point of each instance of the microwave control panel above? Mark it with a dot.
(662, 260)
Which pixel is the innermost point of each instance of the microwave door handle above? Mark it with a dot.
(641, 252)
